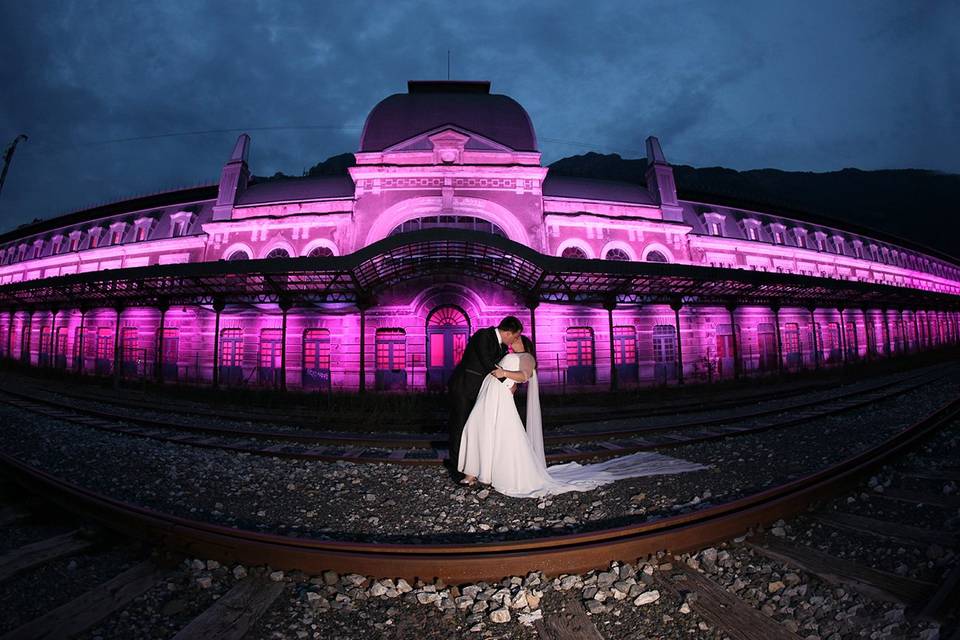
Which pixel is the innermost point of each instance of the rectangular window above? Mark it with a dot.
(580, 356)
(141, 233)
(391, 359)
(231, 347)
(43, 349)
(74, 243)
(791, 338)
(624, 345)
(316, 349)
(391, 347)
(271, 356)
(853, 348)
(714, 228)
(171, 345)
(77, 344)
(801, 240)
(751, 232)
(316, 358)
(579, 347)
(179, 227)
(131, 358)
(60, 348)
(94, 240)
(104, 343)
(778, 237)
(37, 248)
(116, 237)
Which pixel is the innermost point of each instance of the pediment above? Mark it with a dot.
(446, 137)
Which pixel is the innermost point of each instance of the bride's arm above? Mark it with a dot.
(516, 376)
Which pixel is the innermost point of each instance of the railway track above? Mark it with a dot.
(560, 447)
(457, 563)
(107, 574)
(300, 417)
(683, 579)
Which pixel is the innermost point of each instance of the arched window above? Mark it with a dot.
(238, 255)
(617, 254)
(574, 252)
(448, 329)
(469, 223)
(279, 252)
(656, 256)
(320, 252)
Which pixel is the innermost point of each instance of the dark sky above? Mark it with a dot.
(793, 85)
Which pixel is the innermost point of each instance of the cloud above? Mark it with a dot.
(741, 84)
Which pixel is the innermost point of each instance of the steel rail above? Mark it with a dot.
(430, 440)
(300, 417)
(464, 562)
(360, 455)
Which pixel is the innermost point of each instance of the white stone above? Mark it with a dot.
(647, 597)
(276, 576)
(527, 619)
(499, 616)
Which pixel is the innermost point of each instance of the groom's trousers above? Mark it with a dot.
(464, 387)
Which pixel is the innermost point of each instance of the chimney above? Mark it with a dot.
(660, 182)
(233, 179)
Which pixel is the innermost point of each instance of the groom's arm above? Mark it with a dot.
(485, 351)
(488, 351)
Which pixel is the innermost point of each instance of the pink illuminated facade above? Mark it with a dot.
(447, 223)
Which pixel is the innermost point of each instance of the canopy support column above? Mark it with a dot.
(776, 323)
(284, 308)
(163, 307)
(218, 307)
(117, 351)
(815, 349)
(676, 305)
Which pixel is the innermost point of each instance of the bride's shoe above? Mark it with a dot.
(469, 481)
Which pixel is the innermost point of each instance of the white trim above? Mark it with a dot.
(320, 242)
(619, 244)
(578, 243)
(656, 246)
(278, 244)
(237, 246)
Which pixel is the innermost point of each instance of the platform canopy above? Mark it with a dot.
(455, 254)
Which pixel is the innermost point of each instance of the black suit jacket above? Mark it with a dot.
(481, 355)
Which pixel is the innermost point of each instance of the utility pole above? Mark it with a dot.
(7, 156)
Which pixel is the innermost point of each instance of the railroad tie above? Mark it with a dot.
(38, 553)
(885, 529)
(83, 612)
(919, 497)
(838, 571)
(233, 615)
(721, 609)
(573, 624)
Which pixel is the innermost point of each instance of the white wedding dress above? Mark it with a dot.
(497, 449)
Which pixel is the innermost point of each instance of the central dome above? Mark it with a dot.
(432, 104)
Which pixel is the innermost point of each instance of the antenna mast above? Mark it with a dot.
(448, 64)
(7, 156)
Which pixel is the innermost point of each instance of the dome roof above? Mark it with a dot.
(428, 105)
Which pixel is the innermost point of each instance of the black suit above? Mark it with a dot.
(480, 357)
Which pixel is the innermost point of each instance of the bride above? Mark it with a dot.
(495, 449)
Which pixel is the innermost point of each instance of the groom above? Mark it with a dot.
(480, 358)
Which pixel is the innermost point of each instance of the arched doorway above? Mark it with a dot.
(448, 329)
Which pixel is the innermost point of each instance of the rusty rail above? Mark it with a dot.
(458, 563)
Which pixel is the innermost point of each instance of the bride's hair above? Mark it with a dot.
(528, 348)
